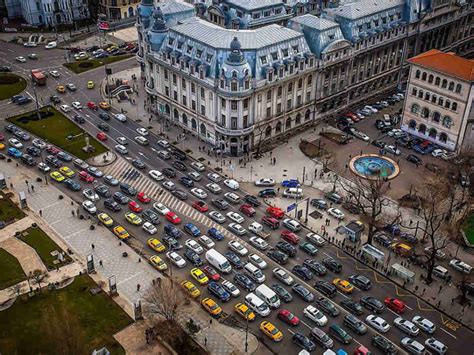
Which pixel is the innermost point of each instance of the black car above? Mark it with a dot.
(180, 194)
(55, 99)
(5, 69)
(104, 116)
(327, 306)
(412, 158)
(139, 164)
(326, 288)
(352, 306)
(373, 304)
(384, 345)
(351, 207)
(333, 197)
(186, 181)
(28, 160)
(319, 203)
(52, 160)
(151, 216)
(103, 126)
(121, 198)
(303, 342)
(302, 272)
(332, 265)
(234, 260)
(168, 172)
(102, 190)
(172, 231)
(315, 266)
(127, 189)
(180, 155)
(361, 282)
(178, 166)
(287, 248)
(23, 101)
(282, 293)
(193, 257)
(252, 200)
(33, 151)
(408, 237)
(112, 205)
(79, 119)
(220, 203)
(267, 193)
(244, 281)
(303, 292)
(382, 239)
(354, 323)
(406, 142)
(72, 185)
(65, 157)
(278, 256)
(171, 242)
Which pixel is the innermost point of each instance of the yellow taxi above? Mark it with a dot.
(111, 48)
(67, 171)
(133, 218)
(105, 219)
(104, 105)
(271, 331)
(121, 232)
(343, 285)
(158, 263)
(156, 245)
(244, 311)
(90, 84)
(2, 146)
(190, 289)
(211, 307)
(61, 89)
(57, 176)
(199, 276)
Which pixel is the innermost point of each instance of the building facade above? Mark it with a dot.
(286, 78)
(439, 100)
(118, 9)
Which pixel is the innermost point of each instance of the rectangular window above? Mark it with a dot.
(208, 57)
(245, 121)
(199, 53)
(285, 52)
(203, 93)
(269, 111)
(233, 105)
(266, 13)
(189, 49)
(183, 83)
(193, 105)
(174, 79)
(184, 100)
(280, 90)
(180, 45)
(193, 88)
(246, 104)
(263, 59)
(299, 100)
(300, 83)
(269, 95)
(165, 73)
(170, 41)
(203, 110)
(223, 103)
(290, 87)
(308, 96)
(278, 108)
(288, 104)
(233, 122)
(167, 91)
(175, 95)
(274, 55)
(295, 49)
(223, 120)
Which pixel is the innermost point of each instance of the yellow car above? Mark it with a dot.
(244, 311)
(190, 289)
(90, 84)
(67, 171)
(57, 176)
(2, 146)
(343, 285)
(61, 89)
(105, 219)
(211, 307)
(159, 264)
(133, 218)
(121, 232)
(156, 245)
(199, 276)
(271, 331)
(104, 105)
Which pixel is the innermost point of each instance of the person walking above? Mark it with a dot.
(100, 263)
(41, 213)
(92, 246)
(32, 188)
(138, 287)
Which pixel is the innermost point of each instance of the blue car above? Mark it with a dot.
(218, 291)
(234, 260)
(290, 183)
(393, 229)
(192, 229)
(172, 231)
(72, 185)
(15, 153)
(244, 281)
(186, 181)
(214, 233)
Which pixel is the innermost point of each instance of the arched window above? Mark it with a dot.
(415, 108)
(422, 129)
(203, 130)
(440, 101)
(436, 117)
(434, 98)
(454, 106)
(431, 78)
(427, 96)
(458, 88)
(420, 94)
(412, 124)
(167, 109)
(444, 84)
(298, 119)
(414, 91)
(443, 137)
(278, 128)
(425, 112)
(447, 122)
(307, 115)
(437, 81)
(176, 115)
(447, 104)
(417, 74)
(288, 123)
(432, 133)
(234, 73)
(193, 124)
(451, 86)
(233, 85)
(423, 76)
(268, 132)
(185, 119)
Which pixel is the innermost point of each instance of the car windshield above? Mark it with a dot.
(274, 331)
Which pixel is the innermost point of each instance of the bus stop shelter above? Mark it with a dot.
(372, 252)
(402, 272)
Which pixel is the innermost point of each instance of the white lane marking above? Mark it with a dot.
(329, 256)
(444, 330)
(292, 332)
(343, 295)
(357, 341)
(395, 313)
(407, 306)
(306, 324)
(143, 155)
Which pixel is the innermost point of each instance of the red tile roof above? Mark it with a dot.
(447, 63)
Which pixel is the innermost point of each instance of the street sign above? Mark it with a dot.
(291, 207)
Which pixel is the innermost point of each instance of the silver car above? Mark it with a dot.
(214, 188)
(378, 323)
(412, 346)
(217, 217)
(436, 346)
(283, 276)
(424, 324)
(406, 326)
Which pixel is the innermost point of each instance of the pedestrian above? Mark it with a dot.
(73, 213)
(452, 301)
(423, 292)
(41, 213)
(438, 304)
(278, 190)
(440, 288)
(138, 287)
(92, 246)
(100, 263)
(205, 341)
(32, 188)
(57, 268)
(139, 260)
(72, 203)
(411, 222)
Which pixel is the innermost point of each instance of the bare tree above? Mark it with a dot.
(15, 290)
(260, 129)
(37, 276)
(163, 300)
(368, 196)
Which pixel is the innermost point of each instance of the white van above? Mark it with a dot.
(254, 273)
(293, 192)
(257, 304)
(267, 294)
(219, 261)
(232, 184)
(141, 140)
(232, 197)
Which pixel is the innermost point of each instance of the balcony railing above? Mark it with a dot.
(234, 132)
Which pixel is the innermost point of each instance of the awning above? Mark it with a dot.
(373, 252)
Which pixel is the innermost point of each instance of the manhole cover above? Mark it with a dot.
(315, 215)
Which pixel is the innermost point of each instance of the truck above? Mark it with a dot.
(257, 229)
(38, 77)
(219, 261)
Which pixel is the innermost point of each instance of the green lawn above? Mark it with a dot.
(11, 273)
(55, 129)
(469, 228)
(81, 66)
(9, 210)
(43, 244)
(67, 321)
(11, 84)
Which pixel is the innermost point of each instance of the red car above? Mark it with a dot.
(84, 176)
(2, 137)
(52, 150)
(200, 206)
(395, 305)
(143, 198)
(211, 273)
(247, 210)
(135, 207)
(172, 217)
(92, 105)
(101, 136)
(271, 222)
(288, 317)
(275, 212)
(290, 237)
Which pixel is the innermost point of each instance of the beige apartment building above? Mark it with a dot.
(439, 100)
